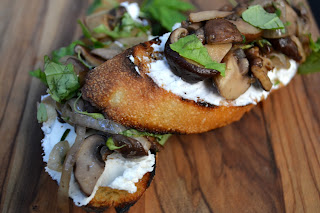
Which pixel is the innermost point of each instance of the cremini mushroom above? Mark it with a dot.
(236, 81)
(218, 51)
(106, 53)
(57, 156)
(188, 70)
(221, 31)
(287, 46)
(259, 67)
(130, 147)
(177, 34)
(208, 15)
(250, 32)
(89, 164)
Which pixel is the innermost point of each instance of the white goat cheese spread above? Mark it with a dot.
(204, 91)
(119, 173)
(133, 9)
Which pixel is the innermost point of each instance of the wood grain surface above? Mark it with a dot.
(267, 162)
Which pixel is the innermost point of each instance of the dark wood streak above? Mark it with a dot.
(193, 169)
(309, 139)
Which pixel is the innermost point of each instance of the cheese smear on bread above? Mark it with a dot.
(204, 91)
(119, 173)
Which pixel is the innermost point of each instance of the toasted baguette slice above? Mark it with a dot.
(119, 199)
(134, 100)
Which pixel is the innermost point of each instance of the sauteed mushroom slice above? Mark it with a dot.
(287, 46)
(57, 156)
(236, 80)
(177, 34)
(260, 67)
(185, 68)
(250, 32)
(92, 60)
(89, 164)
(208, 15)
(221, 31)
(130, 146)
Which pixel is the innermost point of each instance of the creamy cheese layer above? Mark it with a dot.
(119, 173)
(204, 91)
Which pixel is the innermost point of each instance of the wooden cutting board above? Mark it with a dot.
(267, 162)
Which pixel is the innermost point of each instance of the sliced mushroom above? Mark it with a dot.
(287, 47)
(95, 20)
(301, 50)
(260, 67)
(200, 34)
(236, 81)
(92, 60)
(187, 70)
(89, 165)
(57, 156)
(218, 51)
(250, 32)
(106, 53)
(291, 17)
(221, 31)
(208, 15)
(177, 34)
(79, 68)
(130, 146)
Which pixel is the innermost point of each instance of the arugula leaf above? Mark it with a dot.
(315, 46)
(68, 50)
(258, 17)
(42, 115)
(311, 65)
(123, 30)
(87, 34)
(191, 47)
(161, 139)
(62, 81)
(92, 115)
(40, 75)
(111, 146)
(166, 12)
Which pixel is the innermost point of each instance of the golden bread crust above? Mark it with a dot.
(107, 197)
(134, 100)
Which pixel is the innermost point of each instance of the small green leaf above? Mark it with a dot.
(111, 146)
(87, 34)
(165, 12)
(258, 17)
(62, 81)
(161, 139)
(56, 55)
(125, 29)
(315, 46)
(42, 115)
(191, 47)
(40, 75)
(311, 65)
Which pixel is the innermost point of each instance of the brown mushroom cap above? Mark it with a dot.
(221, 31)
(260, 67)
(236, 81)
(287, 46)
(187, 71)
(89, 165)
(131, 147)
